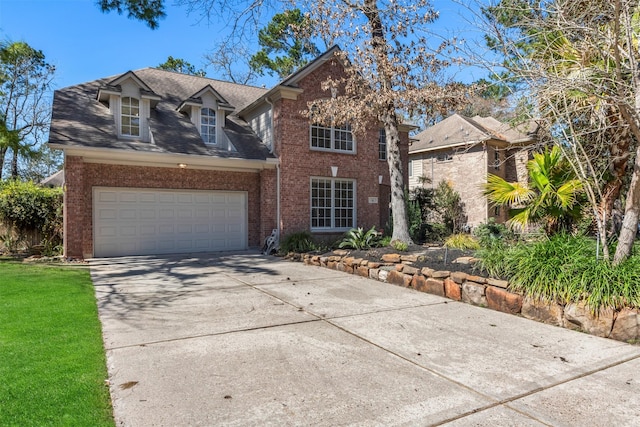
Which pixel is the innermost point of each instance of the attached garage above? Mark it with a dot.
(152, 221)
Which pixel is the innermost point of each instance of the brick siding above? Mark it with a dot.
(81, 177)
(299, 162)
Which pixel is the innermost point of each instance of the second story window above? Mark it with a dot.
(208, 125)
(130, 117)
(332, 138)
(382, 145)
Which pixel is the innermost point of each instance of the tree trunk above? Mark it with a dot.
(14, 165)
(3, 153)
(631, 215)
(394, 160)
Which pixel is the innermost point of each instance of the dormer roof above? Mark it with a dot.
(196, 99)
(81, 122)
(114, 87)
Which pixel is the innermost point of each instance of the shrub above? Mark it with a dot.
(564, 268)
(297, 242)
(436, 232)
(490, 231)
(399, 245)
(461, 241)
(385, 241)
(26, 207)
(357, 238)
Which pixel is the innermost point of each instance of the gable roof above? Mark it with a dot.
(80, 120)
(457, 130)
(290, 83)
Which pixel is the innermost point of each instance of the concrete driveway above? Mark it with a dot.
(245, 339)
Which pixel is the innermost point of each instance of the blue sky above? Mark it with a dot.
(85, 44)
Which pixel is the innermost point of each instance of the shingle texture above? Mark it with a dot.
(457, 129)
(80, 120)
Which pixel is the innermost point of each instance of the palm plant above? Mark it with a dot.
(552, 197)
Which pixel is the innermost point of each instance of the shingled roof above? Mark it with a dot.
(81, 120)
(457, 130)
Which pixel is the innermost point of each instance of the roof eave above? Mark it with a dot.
(167, 160)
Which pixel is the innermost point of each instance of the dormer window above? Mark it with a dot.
(208, 125)
(130, 117)
(130, 101)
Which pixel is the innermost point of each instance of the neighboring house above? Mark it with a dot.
(160, 162)
(55, 180)
(462, 151)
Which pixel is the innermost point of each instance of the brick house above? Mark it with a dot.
(462, 151)
(160, 162)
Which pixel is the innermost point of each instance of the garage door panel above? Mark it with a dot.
(144, 221)
(128, 231)
(128, 214)
(108, 214)
(148, 198)
(128, 198)
(166, 213)
(148, 230)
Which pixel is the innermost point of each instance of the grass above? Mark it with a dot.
(461, 241)
(565, 269)
(52, 361)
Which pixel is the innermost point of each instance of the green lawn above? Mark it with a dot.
(52, 363)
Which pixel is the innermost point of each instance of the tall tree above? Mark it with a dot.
(579, 61)
(25, 83)
(393, 69)
(179, 65)
(288, 34)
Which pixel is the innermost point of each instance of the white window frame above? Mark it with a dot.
(382, 145)
(334, 138)
(132, 117)
(211, 129)
(410, 168)
(332, 216)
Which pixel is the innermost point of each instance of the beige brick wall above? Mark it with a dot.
(466, 172)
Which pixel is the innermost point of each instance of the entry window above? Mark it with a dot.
(208, 125)
(333, 204)
(130, 117)
(332, 138)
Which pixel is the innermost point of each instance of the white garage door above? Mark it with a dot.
(150, 221)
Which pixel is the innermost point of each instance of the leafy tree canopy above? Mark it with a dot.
(148, 11)
(181, 66)
(287, 33)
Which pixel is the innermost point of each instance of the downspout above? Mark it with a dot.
(271, 150)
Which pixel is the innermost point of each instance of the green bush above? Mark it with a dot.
(357, 238)
(490, 231)
(399, 245)
(436, 232)
(26, 207)
(564, 268)
(297, 242)
(461, 241)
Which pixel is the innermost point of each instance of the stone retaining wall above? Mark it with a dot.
(622, 325)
